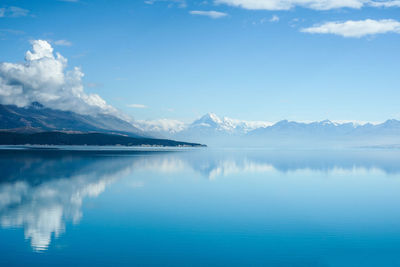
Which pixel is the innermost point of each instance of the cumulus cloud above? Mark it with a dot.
(356, 29)
(13, 12)
(212, 14)
(312, 4)
(43, 78)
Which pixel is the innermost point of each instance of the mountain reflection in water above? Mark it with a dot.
(42, 190)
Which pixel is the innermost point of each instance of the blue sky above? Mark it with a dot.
(248, 59)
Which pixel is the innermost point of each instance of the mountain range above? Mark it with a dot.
(40, 125)
(37, 118)
(208, 129)
(216, 131)
(209, 123)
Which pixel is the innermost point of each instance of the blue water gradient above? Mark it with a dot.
(200, 207)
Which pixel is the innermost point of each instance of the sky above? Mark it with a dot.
(246, 59)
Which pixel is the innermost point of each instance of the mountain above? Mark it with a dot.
(216, 131)
(326, 134)
(37, 118)
(212, 122)
(209, 128)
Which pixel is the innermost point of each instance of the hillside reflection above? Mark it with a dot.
(41, 190)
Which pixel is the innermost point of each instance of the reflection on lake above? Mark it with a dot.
(201, 207)
(41, 189)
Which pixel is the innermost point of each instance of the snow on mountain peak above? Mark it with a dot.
(212, 122)
(226, 124)
(213, 116)
(326, 122)
(210, 119)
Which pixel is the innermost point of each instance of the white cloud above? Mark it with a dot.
(289, 4)
(13, 12)
(161, 125)
(274, 18)
(395, 3)
(62, 43)
(312, 4)
(43, 78)
(212, 14)
(137, 106)
(356, 29)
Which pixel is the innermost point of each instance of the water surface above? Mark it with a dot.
(200, 207)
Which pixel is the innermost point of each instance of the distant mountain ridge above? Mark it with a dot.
(208, 129)
(211, 120)
(217, 131)
(208, 122)
(37, 118)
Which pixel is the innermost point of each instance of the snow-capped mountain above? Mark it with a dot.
(216, 131)
(228, 125)
(209, 129)
(210, 123)
(327, 134)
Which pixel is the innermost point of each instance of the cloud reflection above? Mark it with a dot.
(40, 191)
(41, 205)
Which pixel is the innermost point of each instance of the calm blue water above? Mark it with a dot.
(200, 208)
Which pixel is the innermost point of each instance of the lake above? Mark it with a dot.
(200, 207)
